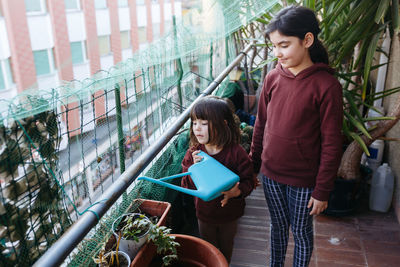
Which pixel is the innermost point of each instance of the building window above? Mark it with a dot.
(139, 2)
(99, 4)
(77, 52)
(6, 78)
(43, 61)
(125, 39)
(72, 4)
(35, 6)
(104, 45)
(142, 35)
(122, 3)
(3, 74)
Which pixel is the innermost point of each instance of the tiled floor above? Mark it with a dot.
(364, 239)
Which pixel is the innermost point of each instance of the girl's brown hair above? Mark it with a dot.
(222, 129)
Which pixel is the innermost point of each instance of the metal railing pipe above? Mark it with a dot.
(57, 253)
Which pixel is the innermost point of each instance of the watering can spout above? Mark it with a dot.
(210, 177)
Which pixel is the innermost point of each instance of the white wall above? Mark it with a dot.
(178, 9)
(40, 32)
(46, 82)
(81, 71)
(124, 19)
(167, 11)
(155, 13)
(141, 16)
(107, 62)
(126, 53)
(103, 22)
(4, 46)
(76, 26)
(9, 93)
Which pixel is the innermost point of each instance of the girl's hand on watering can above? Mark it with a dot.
(196, 158)
(233, 192)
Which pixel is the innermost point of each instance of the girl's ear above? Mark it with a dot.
(308, 40)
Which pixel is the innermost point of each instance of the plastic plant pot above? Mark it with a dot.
(130, 247)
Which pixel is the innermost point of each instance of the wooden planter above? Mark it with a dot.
(149, 250)
(194, 251)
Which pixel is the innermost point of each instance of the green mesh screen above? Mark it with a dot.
(60, 149)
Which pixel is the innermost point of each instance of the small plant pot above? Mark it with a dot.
(130, 247)
(124, 260)
(149, 250)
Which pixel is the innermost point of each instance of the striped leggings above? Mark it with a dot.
(288, 208)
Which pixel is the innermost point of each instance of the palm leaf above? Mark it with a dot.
(359, 125)
(368, 61)
(381, 11)
(360, 142)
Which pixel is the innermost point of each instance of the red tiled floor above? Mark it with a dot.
(366, 238)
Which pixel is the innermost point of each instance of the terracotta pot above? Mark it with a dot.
(155, 208)
(192, 251)
(149, 250)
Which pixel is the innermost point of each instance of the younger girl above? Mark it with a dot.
(213, 130)
(297, 135)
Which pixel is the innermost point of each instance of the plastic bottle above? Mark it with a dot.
(372, 113)
(376, 152)
(381, 192)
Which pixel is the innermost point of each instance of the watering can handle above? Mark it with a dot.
(162, 182)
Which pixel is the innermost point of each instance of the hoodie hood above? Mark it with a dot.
(304, 73)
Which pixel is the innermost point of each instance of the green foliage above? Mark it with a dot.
(135, 226)
(166, 244)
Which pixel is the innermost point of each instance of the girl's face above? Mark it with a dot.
(292, 52)
(200, 130)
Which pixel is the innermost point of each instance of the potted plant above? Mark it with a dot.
(133, 229)
(193, 252)
(113, 258)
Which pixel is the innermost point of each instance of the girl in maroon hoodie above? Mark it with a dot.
(214, 131)
(296, 142)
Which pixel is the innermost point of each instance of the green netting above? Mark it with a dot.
(210, 22)
(60, 149)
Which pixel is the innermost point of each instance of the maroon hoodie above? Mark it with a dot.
(297, 134)
(235, 158)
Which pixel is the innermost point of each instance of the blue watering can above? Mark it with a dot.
(210, 177)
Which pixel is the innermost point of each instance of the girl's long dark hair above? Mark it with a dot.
(222, 128)
(297, 21)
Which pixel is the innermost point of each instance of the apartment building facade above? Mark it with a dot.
(46, 42)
